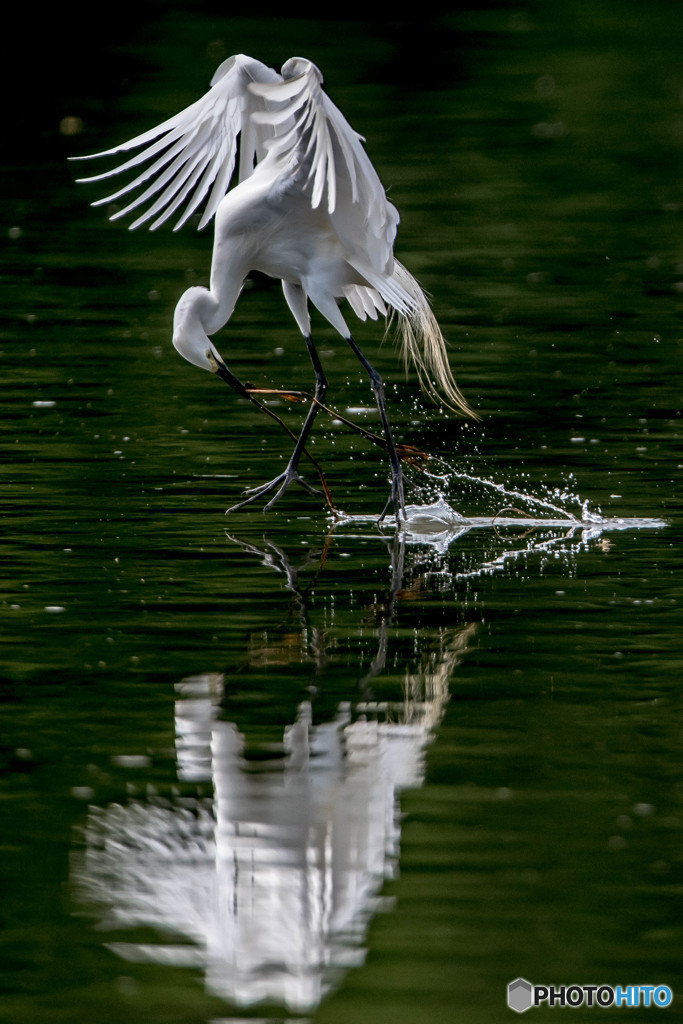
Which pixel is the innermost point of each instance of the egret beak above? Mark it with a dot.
(221, 370)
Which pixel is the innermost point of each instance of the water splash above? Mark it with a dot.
(437, 524)
(434, 518)
(510, 493)
(494, 542)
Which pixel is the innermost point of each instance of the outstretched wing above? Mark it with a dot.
(329, 154)
(193, 153)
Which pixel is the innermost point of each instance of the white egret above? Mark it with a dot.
(308, 208)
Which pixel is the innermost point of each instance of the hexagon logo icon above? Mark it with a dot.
(520, 995)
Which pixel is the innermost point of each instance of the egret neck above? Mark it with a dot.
(198, 314)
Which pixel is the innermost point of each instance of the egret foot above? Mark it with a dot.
(280, 482)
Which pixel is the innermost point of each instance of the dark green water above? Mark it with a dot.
(460, 762)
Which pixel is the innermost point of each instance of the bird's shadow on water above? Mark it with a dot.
(262, 869)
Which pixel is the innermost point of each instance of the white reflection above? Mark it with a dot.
(268, 884)
(437, 526)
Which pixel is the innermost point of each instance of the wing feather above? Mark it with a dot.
(190, 158)
(195, 149)
(330, 154)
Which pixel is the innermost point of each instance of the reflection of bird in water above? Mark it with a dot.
(309, 209)
(275, 876)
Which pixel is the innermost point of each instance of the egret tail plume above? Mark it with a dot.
(423, 345)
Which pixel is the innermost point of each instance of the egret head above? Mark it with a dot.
(192, 313)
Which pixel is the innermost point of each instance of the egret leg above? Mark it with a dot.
(221, 370)
(291, 474)
(396, 497)
(406, 452)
